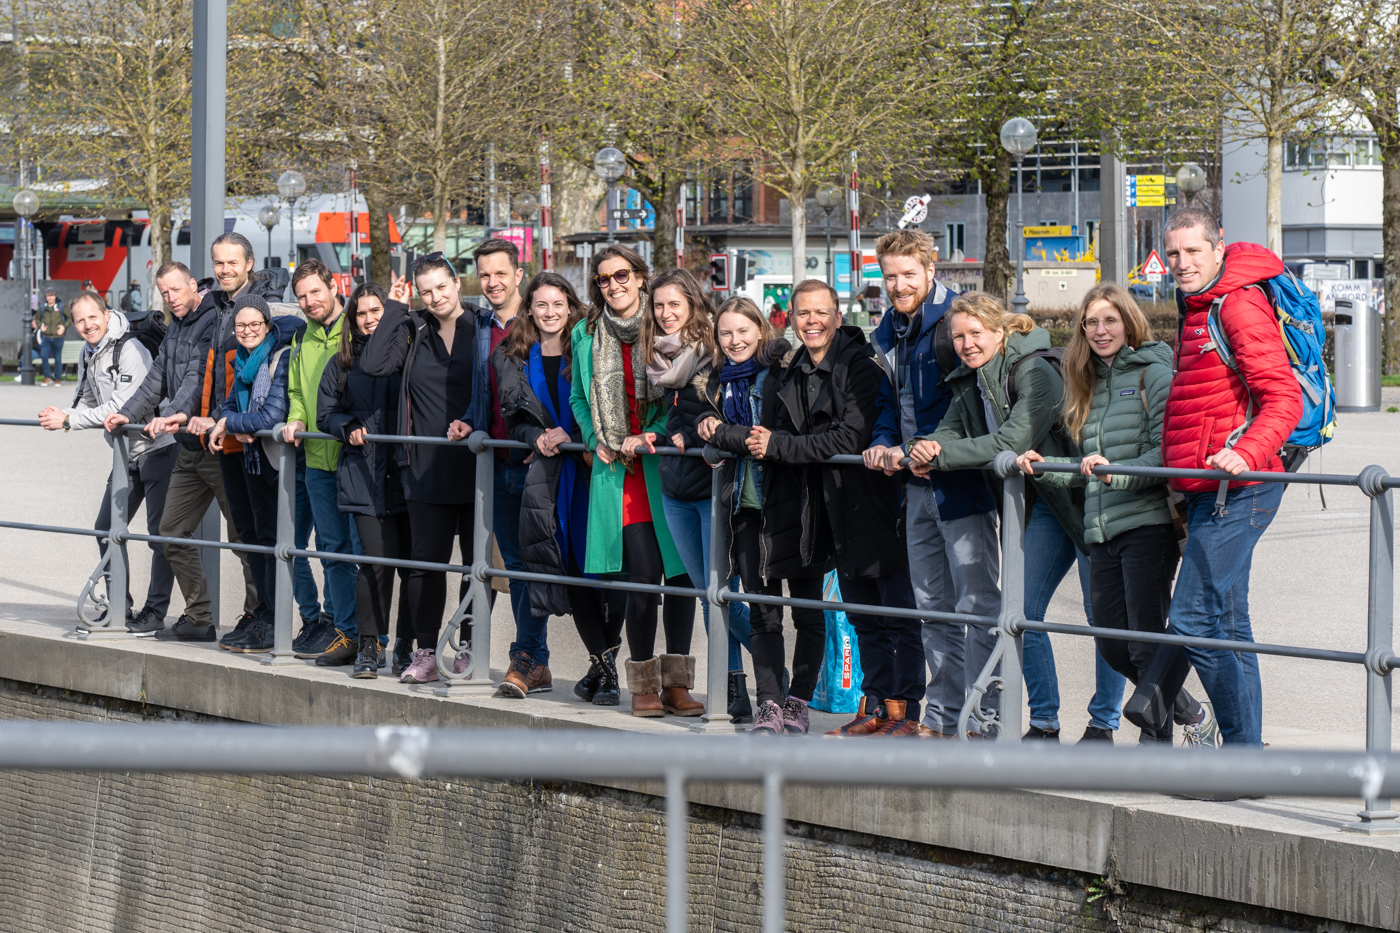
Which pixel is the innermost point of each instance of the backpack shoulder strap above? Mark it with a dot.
(1050, 355)
(943, 352)
(117, 346)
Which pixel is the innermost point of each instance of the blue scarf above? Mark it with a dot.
(570, 511)
(245, 372)
(736, 382)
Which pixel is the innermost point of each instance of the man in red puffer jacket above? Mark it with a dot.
(1206, 427)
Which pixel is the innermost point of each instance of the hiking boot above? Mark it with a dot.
(366, 659)
(1095, 734)
(257, 639)
(870, 718)
(795, 716)
(896, 724)
(608, 692)
(677, 679)
(423, 670)
(740, 709)
(768, 720)
(342, 651)
(101, 620)
(1035, 732)
(318, 641)
(312, 629)
(403, 655)
(146, 623)
(235, 637)
(185, 630)
(526, 677)
(922, 731)
(644, 683)
(587, 686)
(1203, 734)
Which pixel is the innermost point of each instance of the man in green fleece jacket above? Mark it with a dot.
(316, 293)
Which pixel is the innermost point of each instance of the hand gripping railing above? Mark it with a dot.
(1002, 672)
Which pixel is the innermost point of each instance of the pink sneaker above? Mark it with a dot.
(423, 669)
(462, 660)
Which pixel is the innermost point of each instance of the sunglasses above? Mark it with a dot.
(435, 256)
(620, 277)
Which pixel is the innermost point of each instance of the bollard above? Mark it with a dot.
(476, 679)
(1378, 818)
(282, 654)
(716, 716)
(1013, 593)
(118, 567)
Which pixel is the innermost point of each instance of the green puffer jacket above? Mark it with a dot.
(1126, 430)
(968, 441)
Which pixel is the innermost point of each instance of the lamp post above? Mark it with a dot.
(268, 217)
(290, 186)
(1190, 179)
(1018, 138)
(828, 196)
(26, 203)
(609, 163)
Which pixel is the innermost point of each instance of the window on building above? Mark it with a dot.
(1335, 152)
(954, 241)
(1367, 152)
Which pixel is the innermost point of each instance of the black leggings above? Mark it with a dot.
(642, 557)
(433, 524)
(598, 628)
(809, 647)
(383, 537)
(253, 502)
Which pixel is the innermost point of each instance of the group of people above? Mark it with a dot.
(943, 384)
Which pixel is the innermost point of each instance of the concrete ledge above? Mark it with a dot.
(1279, 854)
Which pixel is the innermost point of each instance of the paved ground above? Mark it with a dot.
(1309, 584)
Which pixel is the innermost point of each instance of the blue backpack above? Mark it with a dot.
(1302, 332)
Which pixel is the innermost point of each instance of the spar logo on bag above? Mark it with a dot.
(845, 662)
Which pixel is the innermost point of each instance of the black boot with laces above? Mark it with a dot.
(367, 658)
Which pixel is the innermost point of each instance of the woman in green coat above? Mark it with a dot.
(620, 417)
(1116, 379)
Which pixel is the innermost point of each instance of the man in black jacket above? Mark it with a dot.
(824, 406)
(172, 390)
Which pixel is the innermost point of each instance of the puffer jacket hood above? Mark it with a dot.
(1125, 426)
(1208, 401)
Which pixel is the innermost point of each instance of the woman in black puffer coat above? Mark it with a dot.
(533, 378)
(350, 404)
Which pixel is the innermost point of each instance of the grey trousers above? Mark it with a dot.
(195, 482)
(955, 567)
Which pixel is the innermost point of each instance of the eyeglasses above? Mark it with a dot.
(251, 327)
(1109, 323)
(620, 277)
(435, 256)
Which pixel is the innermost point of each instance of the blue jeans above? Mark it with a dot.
(1049, 554)
(303, 581)
(335, 533)
(1211, 600)
(51, 348)
(531, 631)
(690, 530)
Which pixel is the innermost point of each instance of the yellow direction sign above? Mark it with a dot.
(1048, 231)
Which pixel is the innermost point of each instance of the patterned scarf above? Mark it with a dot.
(610, 415)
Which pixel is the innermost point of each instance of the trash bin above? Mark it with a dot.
(1357, 356)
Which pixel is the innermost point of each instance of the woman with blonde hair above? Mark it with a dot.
(1006, 396)
(1116, 381)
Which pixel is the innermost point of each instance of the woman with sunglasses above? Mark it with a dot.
(350, 404)
(620, 418)
(436, 357)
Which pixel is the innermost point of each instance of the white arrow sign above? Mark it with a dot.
(915, 210)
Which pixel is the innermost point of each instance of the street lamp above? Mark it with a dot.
(828, 197)
(290, 186)
(268, 217)
(1190, 178)
(26, 204)
(1018, 138)
(526, 204)
(609, 163)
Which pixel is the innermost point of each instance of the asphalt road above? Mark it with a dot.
(1308, 588)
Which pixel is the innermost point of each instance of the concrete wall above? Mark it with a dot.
(141, 852)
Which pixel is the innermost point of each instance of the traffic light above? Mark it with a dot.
(719, 272)
(741, 271)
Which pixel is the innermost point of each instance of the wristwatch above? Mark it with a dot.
(66, 425)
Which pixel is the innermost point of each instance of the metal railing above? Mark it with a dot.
(1003, 670)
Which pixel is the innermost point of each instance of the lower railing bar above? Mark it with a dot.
(774, 836)
(197, 542)
(56, 529)
(677, 854)
(378, 561)
(1186, 641)
(584, 755)
(600, 582)
(1248, 476)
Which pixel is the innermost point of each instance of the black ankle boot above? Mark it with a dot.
(367, 658)
(588, 686)
(608, 693)
(740, 709)
(403, 655)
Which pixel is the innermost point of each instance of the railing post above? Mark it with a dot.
(716, 717)
(477, 677)
(774, 837)
(677, 855)
(211, 528)
(1013, 593)
(118, 568)
(282, 654)
(1378, 818)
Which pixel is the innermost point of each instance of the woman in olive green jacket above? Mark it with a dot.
(1116, 379)
(1003, 357)
(618, 413)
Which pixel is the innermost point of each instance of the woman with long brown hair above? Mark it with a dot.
(1006, 396)
(1116, 381)
(620, 417)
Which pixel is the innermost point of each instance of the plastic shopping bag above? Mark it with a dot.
(838, 687)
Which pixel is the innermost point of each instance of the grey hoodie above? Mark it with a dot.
(105, 385)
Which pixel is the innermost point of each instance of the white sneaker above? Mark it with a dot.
(1204, 734)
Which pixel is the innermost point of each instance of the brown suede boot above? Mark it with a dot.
(870, 718)
(677, 677)
(644, 683)
(896, 724)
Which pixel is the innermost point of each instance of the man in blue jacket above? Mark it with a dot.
(950, 518)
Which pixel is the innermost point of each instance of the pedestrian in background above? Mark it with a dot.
(50, 325)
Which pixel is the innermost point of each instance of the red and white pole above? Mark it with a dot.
(546, 211)
(680, 231)
(853, 199)
(353, 226)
